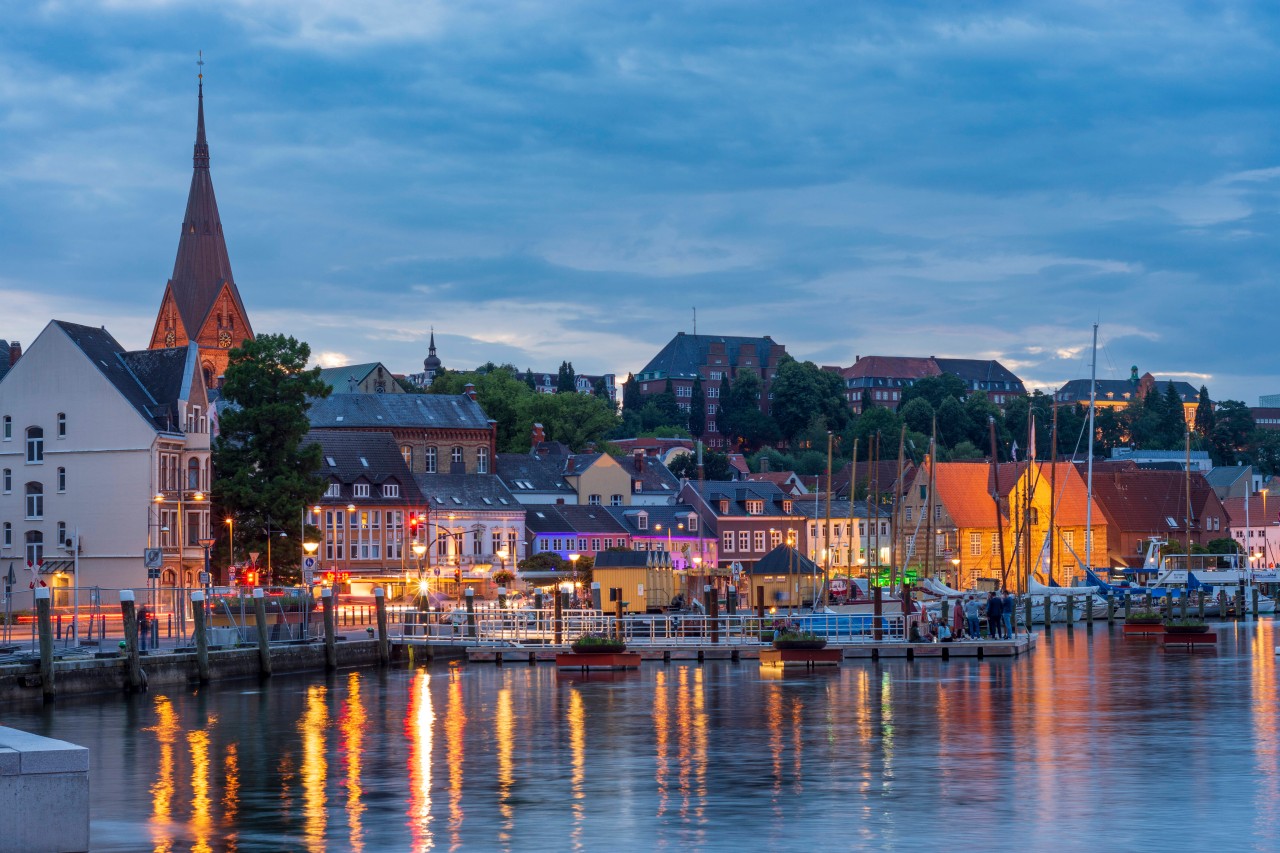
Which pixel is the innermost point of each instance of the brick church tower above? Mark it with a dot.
(201, 301)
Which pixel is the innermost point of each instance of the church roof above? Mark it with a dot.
(202, 265)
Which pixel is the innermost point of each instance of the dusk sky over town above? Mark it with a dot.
(544, 181)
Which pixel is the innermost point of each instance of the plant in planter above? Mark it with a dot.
(598, 644)
(1185, 626)
(798, 640)
(1145, 617)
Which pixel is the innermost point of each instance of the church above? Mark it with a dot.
(201, 301)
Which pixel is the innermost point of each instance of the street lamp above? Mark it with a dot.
(955, 561)
(231, 543)
(502, 565)
(205, 577)
(573, 561)
(424, 584)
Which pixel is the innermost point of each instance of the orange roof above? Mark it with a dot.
(965, 490)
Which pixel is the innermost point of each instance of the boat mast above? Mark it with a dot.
(853, 493)
(1088, 505)
(933, 465)
(826, 534)
(995, 498)
(1053, 486)
(897, 507)
(1189, 519)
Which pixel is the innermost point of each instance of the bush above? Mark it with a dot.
(1145, 617)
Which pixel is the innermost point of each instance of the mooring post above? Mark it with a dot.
(617, 613)
(1111, 608)
(1255, 604)
(1240, 611)
(132, 664)
(1182, 604)
(330, 646)
(384, 644)
(1048, 612)
(713, 611)
(1071, 612)
(1200, 603)
(46, 643)
(470, 598)
(1028, 606)
(557, 618)
(760, 604)
(264, 646)
(877, 610)
(1127, 604)
(201, 637)
(502, 598)
(1222, 603)
(731, 601)
(596, 604)
(707, 595)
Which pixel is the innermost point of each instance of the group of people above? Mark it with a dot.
(998, 610)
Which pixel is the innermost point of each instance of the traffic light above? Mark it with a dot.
(250, 578)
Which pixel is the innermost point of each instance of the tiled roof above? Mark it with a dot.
(150, 380)
(469, 492)
(964, 488)
(684, 355)
(654, 478)
(785, 560)
(523, 472)
(337, 377)
(1123, 389)
(1225, 475)
(587, 520)
(1257, 513)
(422, 411)
(738, 493)
(670, 516)
(4, 357)
(890, 367)
(1141, 501)
(981, 373)
(372, 457)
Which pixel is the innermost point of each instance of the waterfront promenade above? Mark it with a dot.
(1089, 742)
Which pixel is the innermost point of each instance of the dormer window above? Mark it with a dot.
(692, 523)
(755, 507)
(334, 490)
(360, 490)
(642, 521)
(724, 506)
(391, 490)
(786, 507)
(637, 485)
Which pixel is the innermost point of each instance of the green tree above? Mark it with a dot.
(1231, 432)
(697, 409)
(631, 399)
(918, 415)
(263, 473)
(935, 389)
(715, 466)
(566, 381)
(1264, 452)
(601, 390)
(1204, 414)
(965, 451)
(802, 391)
(574, 419)
(502, 395)
(953, 422)
(529, 380)
(741, 418)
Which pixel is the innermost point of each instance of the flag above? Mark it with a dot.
(1031, 442)
(1014, 451)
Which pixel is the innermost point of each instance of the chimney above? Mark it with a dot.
(469, 390)
(764, 464)
(637, 457)
(568, 465)
(538, 437)
(15, 353)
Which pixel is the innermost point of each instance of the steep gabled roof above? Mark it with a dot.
(151, 381)
(336, 377)
(890, 367)
(1142, 501)
(982, 372)
(524, 473)
(784, 560)
(684, 355)
(202, 266)
(670, 516)
(372, 457)
(469, 492)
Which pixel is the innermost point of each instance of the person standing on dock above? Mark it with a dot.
(1007, 611)
(957, 619)
(971, 617)
(144, 623)
(994, 623)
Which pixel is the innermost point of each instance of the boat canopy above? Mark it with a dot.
(1037, 588)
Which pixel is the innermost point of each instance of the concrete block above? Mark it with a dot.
(10, 761)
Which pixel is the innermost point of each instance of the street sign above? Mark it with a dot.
(309, 564)
(153, 558)
(10, 579)
(204, 578)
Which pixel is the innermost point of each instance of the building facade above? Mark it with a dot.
(882, 379)
(1118, 393)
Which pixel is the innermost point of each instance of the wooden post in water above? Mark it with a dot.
(1182, 605)
(1111, 608)
(557, 617)
(384, 643)
(45, 621)
(1030, 621)
(760, 603)
(1127, 605)
(877, 611)
(330, 646)
(132, 665)
(264, 645)
(1222, 603)
(201, 636)
(1240, 611)
(1071, 612)
(713, 611)
(1255, 604)
(596, 604)
(617, 613)
(471, 610)
(1200, 603)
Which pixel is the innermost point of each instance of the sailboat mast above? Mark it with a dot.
(897, 507)
(995, 499)
(1189, 519)
(1088, 504)
(853, 493)
(1026, 495)
(873, 492)
(933, 465)
(826, 534)
(1053, 486)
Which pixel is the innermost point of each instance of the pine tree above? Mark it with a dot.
(697, 409)
(1204, 413)
(528, 379)
(566, 381)
(631, 400)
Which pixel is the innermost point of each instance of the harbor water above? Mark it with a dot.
(1090, 742)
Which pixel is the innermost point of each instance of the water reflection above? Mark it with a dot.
(704, 757)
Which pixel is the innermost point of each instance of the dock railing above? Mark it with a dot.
(537, 627)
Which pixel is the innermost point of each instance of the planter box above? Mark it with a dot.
(1143, 628)
(600, 649)
(623, 660)
(807, 658)
(799, 645)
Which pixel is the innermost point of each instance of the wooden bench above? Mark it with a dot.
(1190, 641)
(1143, 629)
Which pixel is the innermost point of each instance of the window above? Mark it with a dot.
(642, 521)
(8, 428)
(759, 537)
(35, 446)
(35, 501)
(995, 543)
(908, 518)
(582, 544)
(334, 491)
(786, 507)
(62, 533)
(975, 544)
(1069, 538)
(406, 451)
(429, 460)
(455, 455)
(193, 474)
(711, 408)
(775, 538)
(755, 507)
(726, 543)
(482, 460)
(744, 540)
(615, 500)
(692, 523)
(360, 490)
(62, 424)
(35, 547)
(477, 542)
(8, 535)
(593, 500)
(391, 490)
(194, 525)
(7, 481)
(711, 426)
(595, 544)
(62, 479)
(937, 513)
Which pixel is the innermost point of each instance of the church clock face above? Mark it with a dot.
(224, 339)
(170, 338)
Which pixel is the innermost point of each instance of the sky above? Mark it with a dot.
(561, 180)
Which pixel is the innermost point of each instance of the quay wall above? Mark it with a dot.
(21, 682)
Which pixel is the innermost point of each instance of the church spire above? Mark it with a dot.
(201, 156)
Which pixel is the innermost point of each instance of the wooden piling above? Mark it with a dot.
(1200, 603)
(707, 595)
(713, 610)
(1255, 604)
(384, 644)
(1182, 605)
(1048, 612)
(330, 645)
(617, 613)
(1240, 612)
(557, 619)
(760, 603)
(132, 665)
(1127, 605)
(596, 604)
(471, 611)
(1111, 608)
(1071, 612)
(1030, 621)
(264, 646)
(877, 612)
(45, 623)
(1222, 603)
(201, 637)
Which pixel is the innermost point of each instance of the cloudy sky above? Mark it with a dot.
(560, 180)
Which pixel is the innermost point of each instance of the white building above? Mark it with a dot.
(108, 447)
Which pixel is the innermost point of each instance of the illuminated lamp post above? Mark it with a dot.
(424, 584)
